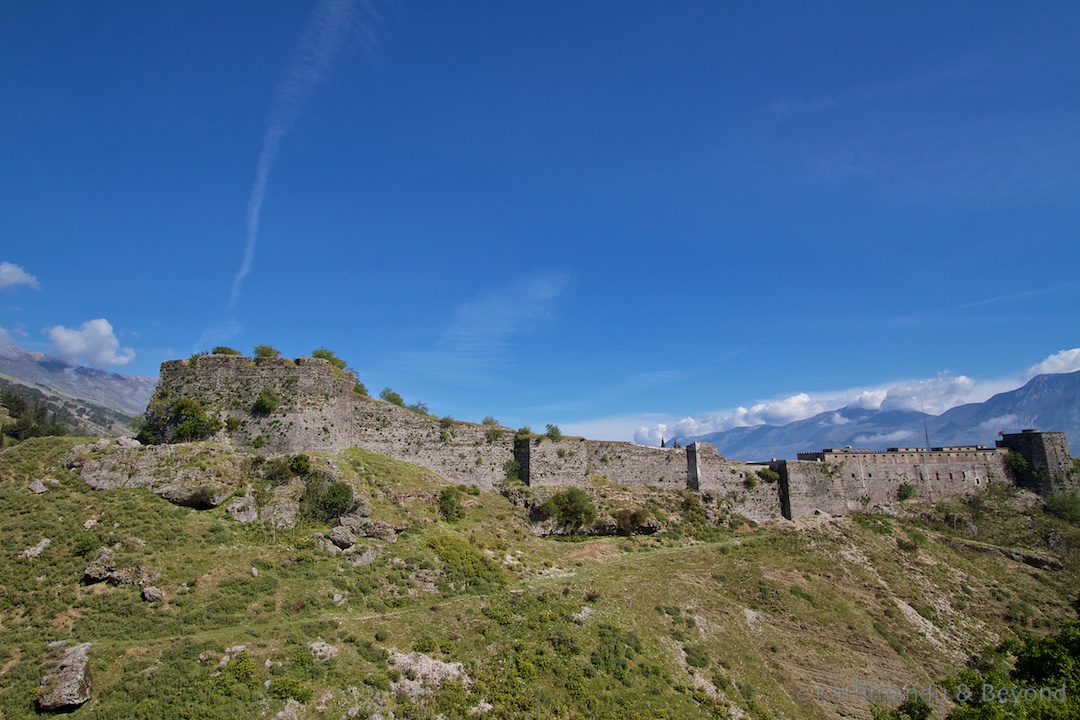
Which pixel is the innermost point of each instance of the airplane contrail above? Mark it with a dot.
(323, 38)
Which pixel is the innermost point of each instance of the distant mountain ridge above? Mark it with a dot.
(100, 402)
(1046, 402)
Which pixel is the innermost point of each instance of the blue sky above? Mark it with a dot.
(622, 218)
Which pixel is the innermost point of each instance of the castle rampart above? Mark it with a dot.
(839, 482)
(1047, 456)
(318, 410)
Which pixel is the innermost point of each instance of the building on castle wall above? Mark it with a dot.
(318, 411)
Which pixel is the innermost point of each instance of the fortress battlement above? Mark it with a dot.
(317, 409)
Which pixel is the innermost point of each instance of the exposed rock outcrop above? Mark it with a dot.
(102, 568)
(32, 552)
(244, 509)
(192, 474)
(68, 684)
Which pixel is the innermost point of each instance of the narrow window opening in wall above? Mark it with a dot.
(869, 474)
(950, 476)
(852, 474)
(937, 476)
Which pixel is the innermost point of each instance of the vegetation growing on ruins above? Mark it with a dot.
(266, 402)
(182, 420)
(709, 616)
(392, 397)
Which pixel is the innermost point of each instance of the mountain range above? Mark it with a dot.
(1046, 402)
(94, 402)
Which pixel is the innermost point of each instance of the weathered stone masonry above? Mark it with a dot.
(318, 410)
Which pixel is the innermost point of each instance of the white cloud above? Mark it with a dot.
(885, 438)
(1065, 361)
(934, 396)
(94, 343)
(12, 275)
(931, 395)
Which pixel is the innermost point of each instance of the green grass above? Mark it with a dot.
(677, 625)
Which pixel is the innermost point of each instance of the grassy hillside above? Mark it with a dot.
(710, 617)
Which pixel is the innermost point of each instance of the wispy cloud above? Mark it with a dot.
(323, 38)
(94, 342)
(478, 339)
(12, 275)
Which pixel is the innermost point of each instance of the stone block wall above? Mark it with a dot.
(318, 410)
(314, 409)
(1047, 455)
(546, 462)
(640, 465)
(857, 484)
(461, 452)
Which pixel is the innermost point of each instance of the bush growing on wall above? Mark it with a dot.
(266, 402)
(328, 355)
(906, 491)
(266, 352)
(553, 432)
(185, 420)
(223, 350)
(392, 397)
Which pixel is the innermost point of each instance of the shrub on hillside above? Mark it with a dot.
(572, 509)
(1064, 505)
(325, 500)
(450, 504)
(630, 520)
(466, 567)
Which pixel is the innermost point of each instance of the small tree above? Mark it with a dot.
(360, 389)
(906, 491)
(553, 432)
(266, 352)
(392, 397)
(489, 421)
(450, 504)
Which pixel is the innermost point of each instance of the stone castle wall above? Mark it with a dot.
(857, 482)
(1047, 455)
(318, 411)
